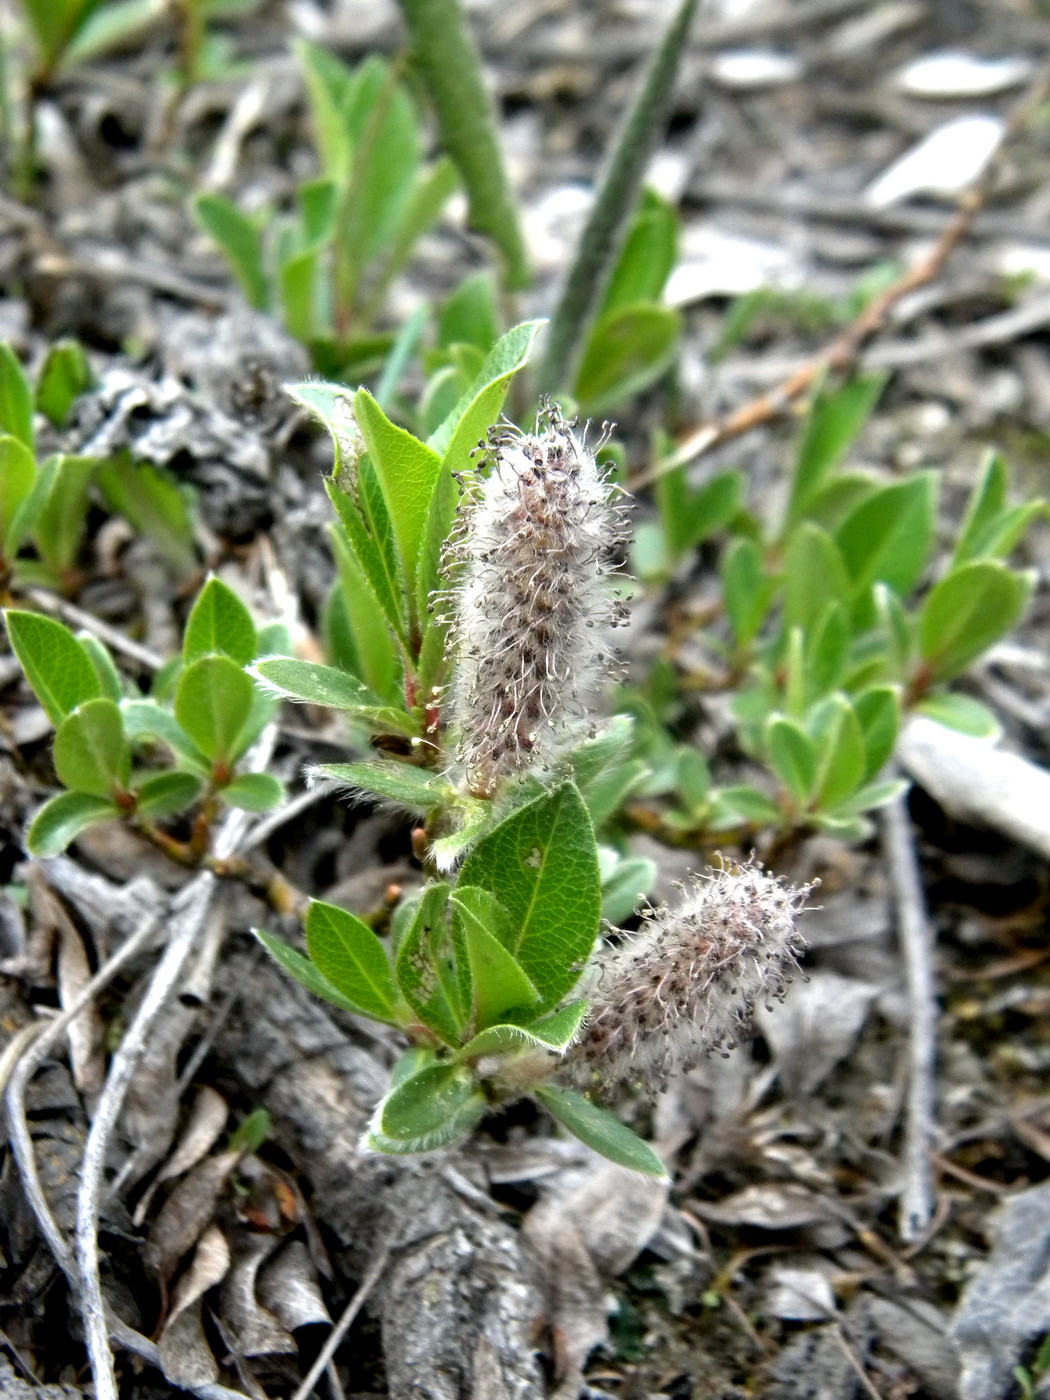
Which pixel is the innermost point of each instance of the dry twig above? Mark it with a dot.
(842, 355)
(917, 1196)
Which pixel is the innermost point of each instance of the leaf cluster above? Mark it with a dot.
(830, 628)
(44, 504)
(123, 754)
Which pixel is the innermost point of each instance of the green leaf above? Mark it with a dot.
(992, 527)
(240, 240)
(878, 711)
(108, 675)
(689, 517)
(58, 668)
(835, 731)
(962, 713)
(626, 886)
(55, 24)
(17, 479)
(647, 257)
(421, 962)
(358, 634)
(605, 770)
(889, 535)
(387, 154)
(827, 651)
(444, 53)
(330, 90)
(155, 503)
(968, 610)
(61, 820)
(349, 955)
(303, 970)
(427, 1110)
(542, 864)
(62, 514)
(470, 315)
(91, 752)
(627, 351)
(742, 804)
(377, 563)
(792, 756)
(500, 985)
(16, 399)
(480, 406)
(164, 794)
(213, 703)
(64, 376)
(145, 719)
(219, 623)
(897, 628)
(117, 25)
(747, 590)
(832, 424)
(253, 792)
(415, 788)
(554, 1033)
(600, 1130)
(869, 797)
(407, 469)
(313, 684)
(429, 195)
(814, 571)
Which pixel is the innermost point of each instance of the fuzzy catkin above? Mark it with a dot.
(533, 609)
(687, 984)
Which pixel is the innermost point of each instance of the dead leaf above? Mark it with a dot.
(288, 1288)
(185, 1356)
(774, 1206)
(86, 1032)
(255, 1330)
(590, 1224)
(1005, 1308)
(187, 1212)
(206, 1120)
(815, 1027)
(211, 1263)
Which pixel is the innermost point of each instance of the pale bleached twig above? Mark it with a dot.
(191, 910)
(917, 1196)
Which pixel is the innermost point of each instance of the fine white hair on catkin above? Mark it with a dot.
(688, 982)
(533, 606)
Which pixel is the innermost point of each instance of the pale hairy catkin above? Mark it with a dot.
(688, 982)
(532, 607)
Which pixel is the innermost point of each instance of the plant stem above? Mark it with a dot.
(447, 59)
(617, 195)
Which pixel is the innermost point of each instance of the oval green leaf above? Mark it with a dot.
(212, 704)
(349, 955)
(91, 752)
(600, 1130)
(57, 667)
